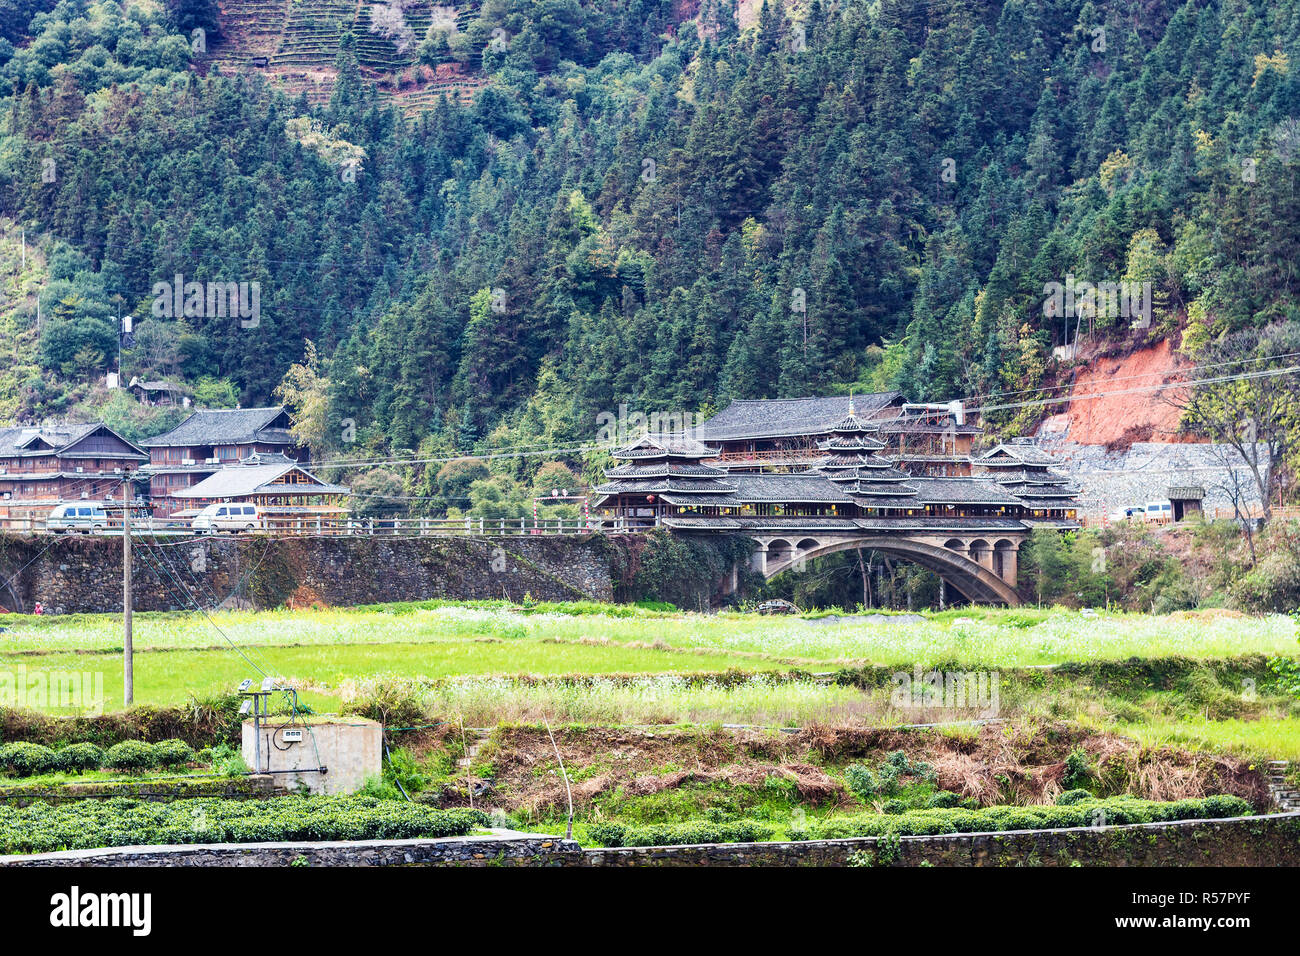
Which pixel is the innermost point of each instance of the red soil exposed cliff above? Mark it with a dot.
(1113, 402)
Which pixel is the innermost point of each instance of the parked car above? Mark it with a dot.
(1159, 511)
(77, 516)
(1131, 513)
(227, 517)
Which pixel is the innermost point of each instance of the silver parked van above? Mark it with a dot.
(77, 516)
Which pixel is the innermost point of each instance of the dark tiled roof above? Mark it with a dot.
(675, 444)
(878, 470)
(872, 500)
(661, 468)
(1016, 452)
(850, 423)
(719, 499)
(226, 426)
(775, 418)
(235, 481)
(31, 441)
(926, 426)
(764, 487)
(1048, 491)
(1017, 475)
(961, 491)
(852, 443)
(688, 523)
(653, 486)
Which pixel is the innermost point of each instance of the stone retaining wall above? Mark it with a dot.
(1272, 840)
(521, 849)
(84, 574)
(1108, 480)
(1239, 841)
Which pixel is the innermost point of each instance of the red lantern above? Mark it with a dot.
(649, 497)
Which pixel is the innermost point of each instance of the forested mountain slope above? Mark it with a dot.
(646, 204)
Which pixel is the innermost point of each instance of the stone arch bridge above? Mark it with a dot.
(980, 566)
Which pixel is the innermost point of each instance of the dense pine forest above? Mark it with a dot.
(647, 204)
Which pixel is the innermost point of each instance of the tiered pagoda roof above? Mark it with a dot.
(852, 463)
(1023, 469)
(668, 466)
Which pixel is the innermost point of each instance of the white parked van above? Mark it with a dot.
(74, 516)
(1159, 511)
(227, 517)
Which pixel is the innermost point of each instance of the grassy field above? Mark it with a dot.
(645, 704)
(179, 654)
(1273, 737)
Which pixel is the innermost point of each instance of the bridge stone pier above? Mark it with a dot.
(982, 566)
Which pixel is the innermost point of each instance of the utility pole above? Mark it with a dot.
(128, 666)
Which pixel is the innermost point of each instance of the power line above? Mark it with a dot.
(181, 590)
(1123, 378)
(486, 456)
(1216, 380)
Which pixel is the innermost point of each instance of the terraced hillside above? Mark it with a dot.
(294, 43)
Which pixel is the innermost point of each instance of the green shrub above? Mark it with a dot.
(884, 781)
(861, 780)
(172, 753)
(78, 758)
(85, 824)
(680, 834)
(1071, 797)
(130, 755)
(233, 766)
(607, 834)
(25, 759)
(224, 759)
(393, 701)
(1287, 670)
(1078, 772)
(379, 788)
(894, 806)
(943, 799)
(910, 768)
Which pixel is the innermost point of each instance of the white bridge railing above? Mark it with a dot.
(462, 527)
(422, 527)
(325, 525)
(353, 526)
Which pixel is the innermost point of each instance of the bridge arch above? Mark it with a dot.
(1005, 558)
(974, 580)
(780, 550)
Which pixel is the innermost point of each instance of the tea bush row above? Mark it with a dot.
(86, 824)
(680, 834)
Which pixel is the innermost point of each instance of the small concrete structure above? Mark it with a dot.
(331, 754)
